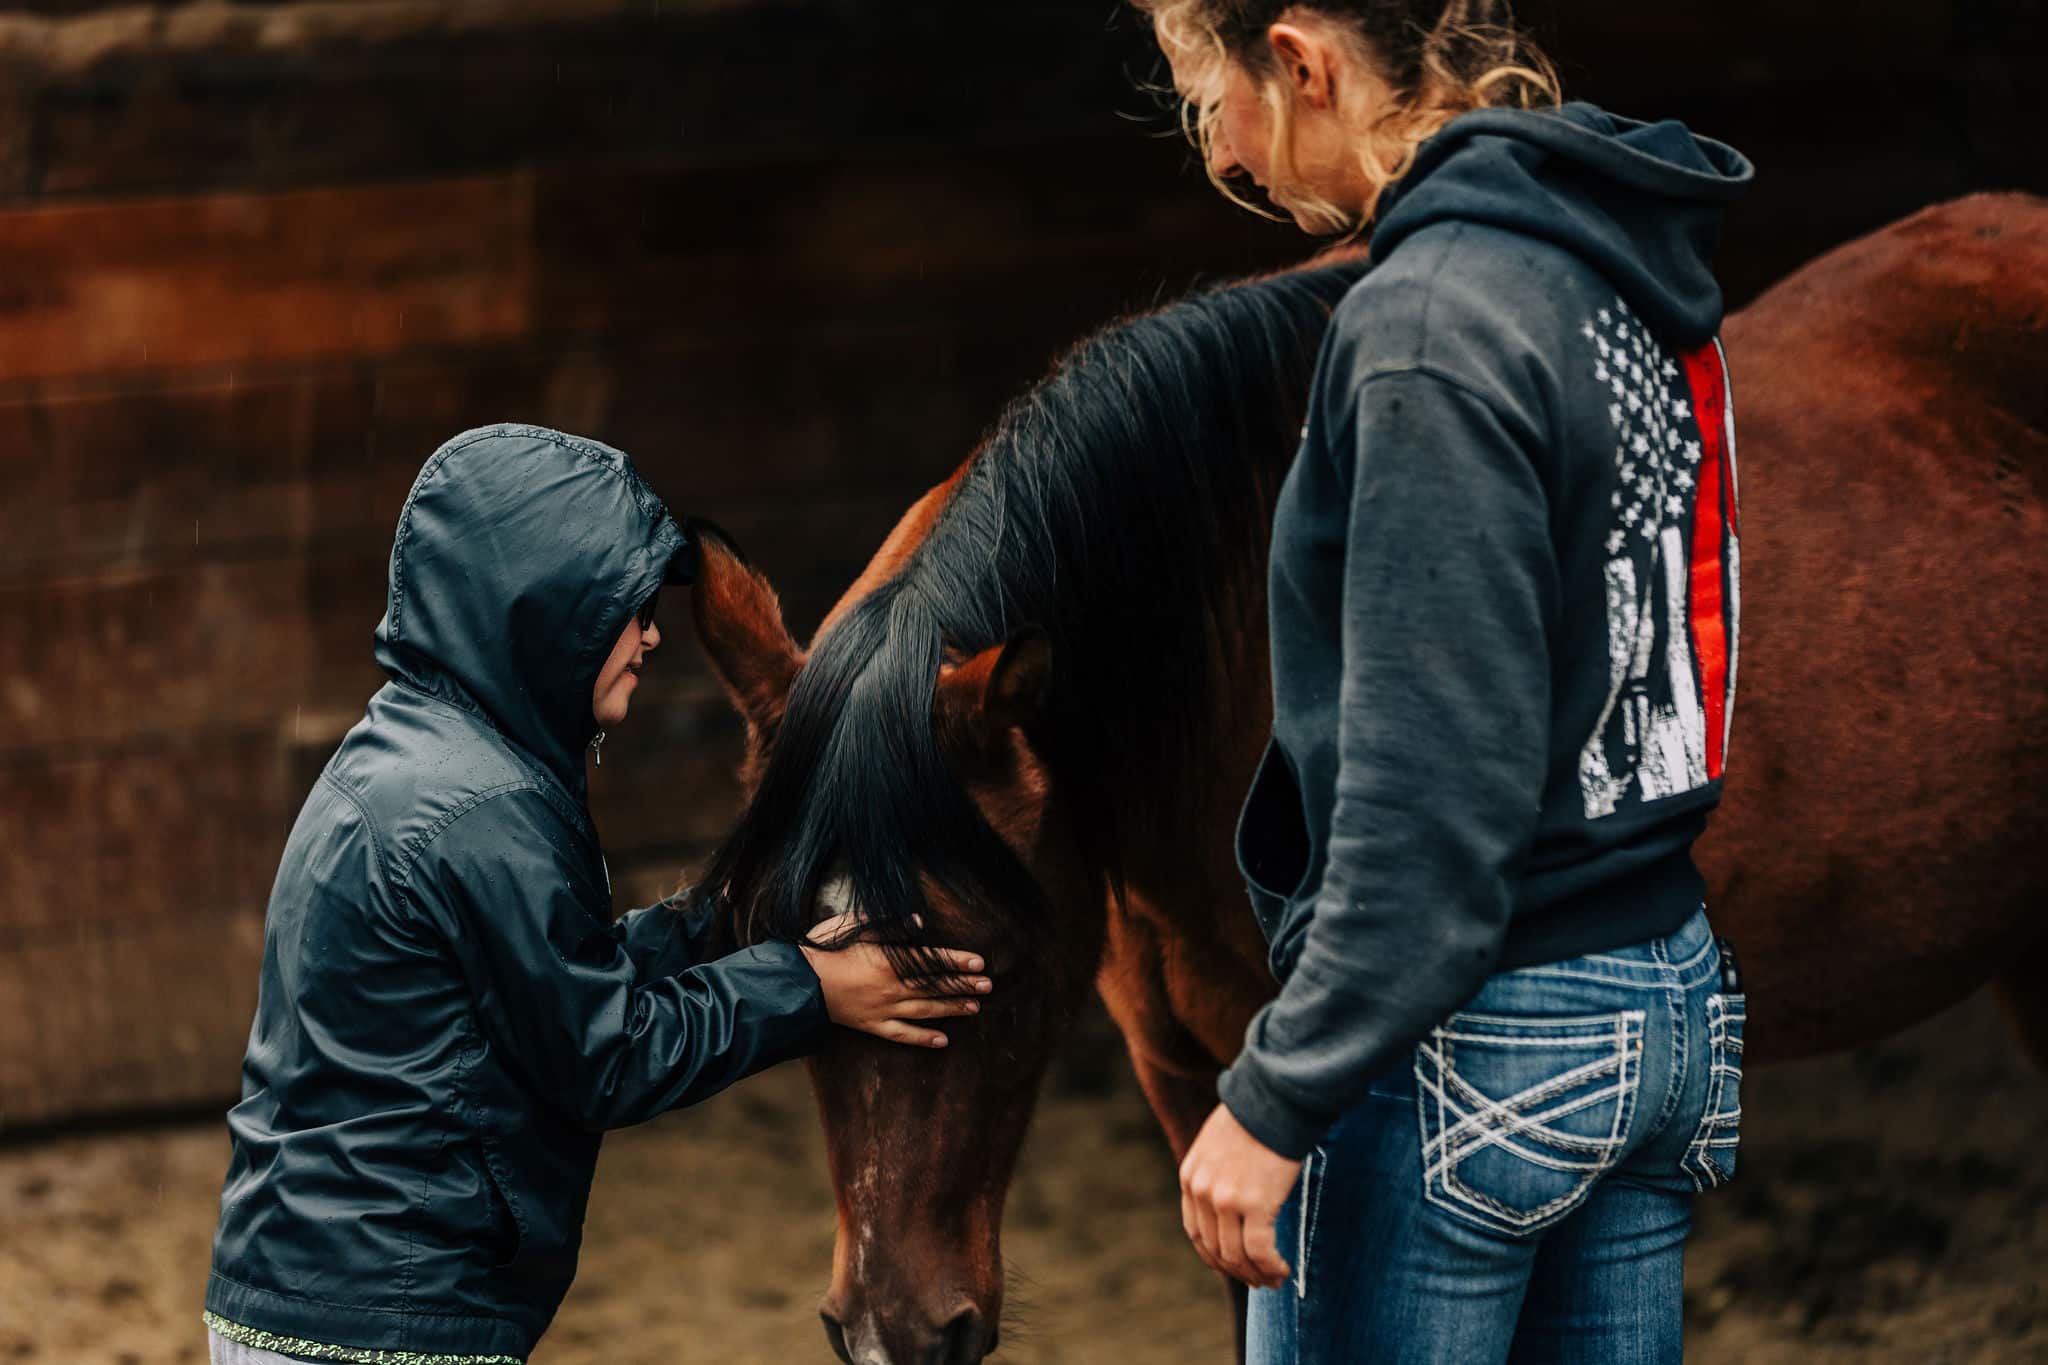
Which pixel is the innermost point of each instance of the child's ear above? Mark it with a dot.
(740, 624)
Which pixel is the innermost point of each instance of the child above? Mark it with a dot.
(447, 1018)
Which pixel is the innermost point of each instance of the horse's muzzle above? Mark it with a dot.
(963, 1340)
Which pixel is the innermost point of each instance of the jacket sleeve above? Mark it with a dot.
(667, 937)
(557, 990)
(1450, 578)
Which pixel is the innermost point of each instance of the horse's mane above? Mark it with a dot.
(1109, 508)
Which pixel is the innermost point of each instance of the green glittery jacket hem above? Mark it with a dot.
(354, 1355)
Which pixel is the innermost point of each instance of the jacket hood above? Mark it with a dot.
(1640, 202)
(521, 553)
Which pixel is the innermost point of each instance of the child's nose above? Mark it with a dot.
(650, 638)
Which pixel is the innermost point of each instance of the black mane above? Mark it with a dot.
(1109, 508)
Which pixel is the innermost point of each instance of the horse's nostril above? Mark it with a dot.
(835, 1334)
(962, 1342)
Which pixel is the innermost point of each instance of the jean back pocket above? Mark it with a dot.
(1710, 1157)
(1520, 1115)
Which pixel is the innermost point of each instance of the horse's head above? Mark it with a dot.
(888, 774)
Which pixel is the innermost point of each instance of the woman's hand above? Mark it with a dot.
(1231, 1189)
(862, 991)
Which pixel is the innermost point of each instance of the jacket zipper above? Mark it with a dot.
(597, 748)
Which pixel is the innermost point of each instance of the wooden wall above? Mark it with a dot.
(257, 260)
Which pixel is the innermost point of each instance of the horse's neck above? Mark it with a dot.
(1172, 794)
(1187, 964)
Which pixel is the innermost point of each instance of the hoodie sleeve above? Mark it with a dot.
(557, 989)
(1450, 578)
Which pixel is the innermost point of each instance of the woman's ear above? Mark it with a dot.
(1304, 57)
(740, 624)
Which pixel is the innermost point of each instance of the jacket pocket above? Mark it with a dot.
(1521, 1114)
(507, 1232)
(1272, 839)
(1710, 1156)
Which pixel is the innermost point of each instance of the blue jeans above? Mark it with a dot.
(1523, 1191)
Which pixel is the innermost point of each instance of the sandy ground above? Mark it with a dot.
(1892, 1207)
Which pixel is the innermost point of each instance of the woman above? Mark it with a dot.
(1503, 596)
(448, 1018)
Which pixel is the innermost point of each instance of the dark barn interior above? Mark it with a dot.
(258, 259)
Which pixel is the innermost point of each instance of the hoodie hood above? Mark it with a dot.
(521, 554)
(1639, 202)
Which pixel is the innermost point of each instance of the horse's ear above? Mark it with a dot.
(740, 624)
(999, 689)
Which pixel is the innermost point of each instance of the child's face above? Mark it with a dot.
(621, 672)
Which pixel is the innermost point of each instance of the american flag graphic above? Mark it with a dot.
(1672, 575)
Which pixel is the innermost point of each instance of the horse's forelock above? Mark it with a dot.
(857, 788)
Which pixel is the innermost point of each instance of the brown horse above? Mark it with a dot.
(1032, 718)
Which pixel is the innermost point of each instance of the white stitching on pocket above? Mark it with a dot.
(1710, 1157)
(1601, 1024)
(1305, 1219)
(1467, 1121)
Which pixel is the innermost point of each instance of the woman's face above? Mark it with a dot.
(1241, 134)
(613, 694)
(1318, 77)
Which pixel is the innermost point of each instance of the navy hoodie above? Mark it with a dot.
(1504, 593)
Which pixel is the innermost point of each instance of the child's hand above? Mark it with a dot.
(862, 991)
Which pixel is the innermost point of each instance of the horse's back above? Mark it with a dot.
(1940, 317)
(1885, 829)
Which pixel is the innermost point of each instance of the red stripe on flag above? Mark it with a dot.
(1709, 607)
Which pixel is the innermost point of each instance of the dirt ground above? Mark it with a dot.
(1892, 1207)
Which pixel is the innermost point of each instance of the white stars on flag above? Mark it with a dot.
(1650, 413)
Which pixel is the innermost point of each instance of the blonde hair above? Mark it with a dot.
(1441, 58)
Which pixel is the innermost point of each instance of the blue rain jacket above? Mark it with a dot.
(448, 1016)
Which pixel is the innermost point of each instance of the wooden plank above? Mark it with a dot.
(160, 474)
(800, 414)
(948, 240)
(207, 647)
(133, 1014)
(243, 279)
(154, 471)
(681, 78)
(161, 832)
(88, 36)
